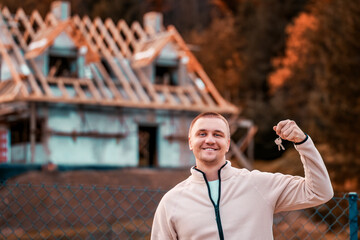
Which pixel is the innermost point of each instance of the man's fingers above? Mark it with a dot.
(287, 133)
(280, 126)
(288, 130)
(293, 136)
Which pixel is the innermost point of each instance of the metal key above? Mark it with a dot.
(278, 142)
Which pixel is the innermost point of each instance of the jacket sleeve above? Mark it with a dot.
(287, 193)
(162, 228)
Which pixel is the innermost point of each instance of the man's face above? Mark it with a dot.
(209, 140)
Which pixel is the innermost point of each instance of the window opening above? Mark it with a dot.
(20, 131)
(63, 66)
(166, 75)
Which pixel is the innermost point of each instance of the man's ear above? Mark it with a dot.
(228, 148)
(190, 147)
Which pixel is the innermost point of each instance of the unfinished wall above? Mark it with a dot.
(79, 136)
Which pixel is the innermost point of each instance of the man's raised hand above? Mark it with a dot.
(289, 130)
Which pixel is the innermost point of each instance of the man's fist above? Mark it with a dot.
(289, 130)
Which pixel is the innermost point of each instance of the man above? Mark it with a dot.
(221, 202)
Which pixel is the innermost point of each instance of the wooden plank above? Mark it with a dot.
(193, 95)
(81, 26)
(203, 94)
(108, 81)
(44, 128)
(35, 87)
(119, 76)
(21, 60)
(80, 93)
(99, 82)
(147, 85)
(157, 44)
(239, 155)
(92, 134)
(134, 80)
(129, 104)
(123, 27)
(41, 77)
(136, 28)
(165, 91)
(112, 47)
(181, 95)
(32, 131)
(125, 51)
(20, 16)
(125, 73)
(51, 20)
(13, 72)
(36, 17)
(115, 66)
(15, 30)
(246, 141)
(128, 74)
(109, 58)
(94, 92)
(8, 90)
(92, 32)
(62, 88)
(198, 69)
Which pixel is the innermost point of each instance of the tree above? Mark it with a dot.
(260, 26)
(290, 83)
(325, 72)
(338, 74)
(128, 10)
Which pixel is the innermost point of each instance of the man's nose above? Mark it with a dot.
(210, 139)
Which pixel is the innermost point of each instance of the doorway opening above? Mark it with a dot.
(147, 146)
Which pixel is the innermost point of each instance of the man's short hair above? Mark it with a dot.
(209, 115)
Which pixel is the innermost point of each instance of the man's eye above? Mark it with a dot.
(202, 134)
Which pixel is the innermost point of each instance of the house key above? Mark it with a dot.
(278, 142)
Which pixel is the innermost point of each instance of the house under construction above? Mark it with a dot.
(78, 91)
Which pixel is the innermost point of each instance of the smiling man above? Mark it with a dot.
(221, 202)
(209, 139)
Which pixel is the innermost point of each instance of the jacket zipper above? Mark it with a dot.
(216, 206)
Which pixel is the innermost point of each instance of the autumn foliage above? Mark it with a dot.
(297, 48)
(317, 79)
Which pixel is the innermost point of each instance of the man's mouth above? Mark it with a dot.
(209, 149)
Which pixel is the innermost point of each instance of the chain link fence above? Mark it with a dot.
(95, 212)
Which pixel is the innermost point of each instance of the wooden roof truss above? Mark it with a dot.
(116, 80)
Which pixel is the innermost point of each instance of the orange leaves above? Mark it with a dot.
(296, 53)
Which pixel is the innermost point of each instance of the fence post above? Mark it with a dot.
(353, 215)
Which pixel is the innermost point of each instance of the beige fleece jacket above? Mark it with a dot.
(248, 200)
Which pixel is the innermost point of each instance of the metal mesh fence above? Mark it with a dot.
(95, 212)
(76, 212)
(327, 221)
